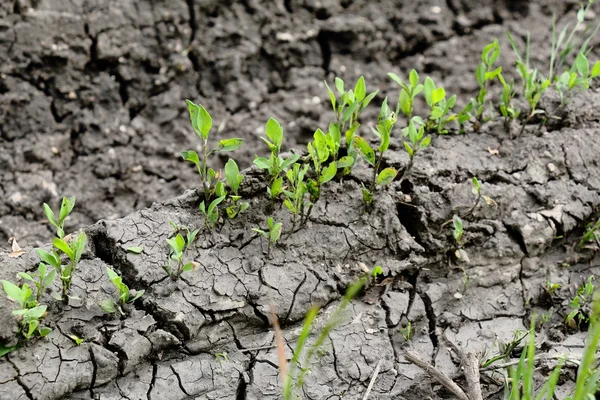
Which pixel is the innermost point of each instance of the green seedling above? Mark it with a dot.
(387, 120)
(581, 304)
(407, 332)
(202, 124)
(318, 154)
(295, 194)
(59, 223)
(570, 83)
(415, 133)
(42, 280)
(377, 271)
(348, 107)
(505, 349)
(507, 109)
(440, 108)
(234, 180)
(408, 92)
(457, 233)
(464, 116)
(211, 214)
(272, 234)
(534, 84)
(73, 249)
(563, 42)
(552, 288)
(178, 245)
(29, 312)
(294, 374)
(592, 234)
(76, 339)
(485, 73)
(221, 357)
(275, 165)
(125, 297)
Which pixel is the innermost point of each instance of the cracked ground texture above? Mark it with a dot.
(91, 101)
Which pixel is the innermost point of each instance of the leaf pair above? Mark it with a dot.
(65, 209)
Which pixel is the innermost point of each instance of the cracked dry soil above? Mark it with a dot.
(91, 101)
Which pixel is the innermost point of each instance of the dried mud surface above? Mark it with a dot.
(127, 65)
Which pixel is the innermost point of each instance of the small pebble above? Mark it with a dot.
(551, 167)
(458, 295)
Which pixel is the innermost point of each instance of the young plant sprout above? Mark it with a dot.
(73, 249)
(592, 234)
(234, 180)
(387, 120)
(440, 107)
(178, 246)
(59, 223)
(318, 153)
(534, 84)
(581, 304)
(485, 73)
(275, 165)
(507, 109)
(457, 234)
(202, 124)
(29, 311)
(295, 195)
(570, 83)
(272, 235)
(408, 92)
(42, 280)
(211, 214)
(125, 297)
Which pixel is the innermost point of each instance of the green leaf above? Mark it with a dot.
(230, 144)
(339, 85)
(438, 95)
(385, 139)
(331, 96)
(377, 271)
(274, 131)
(232, 175)
(214, 204)
(480, 73)
(405, 102)
(13, 292)
(289, 161)
(66, 207)
(204, 121)
(187, 267)
(63, 246)
(26, 276)
(413, 78)
(595, 70)
(50, 258)
(50, 215)
(345, 162)
(76, 339)
(386, 176)
(108, 305)
(77, 245)
(429, 87)
(191, 156)
(135, 249)
(138, 294)
(425, 142)
(35, 312)
(366, 151)
(436, 113)
(409, 149)
(262, 163)
(360, 89)
(5, 350)
(457, 223)
(396, 78)
(582, 65)
(476, 186)
(369, 98)
(275, 232)
(328, 173)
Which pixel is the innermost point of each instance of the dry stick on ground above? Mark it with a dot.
(470, 363)
(436, 374)
(373, 379)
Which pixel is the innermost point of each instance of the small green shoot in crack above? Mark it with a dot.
(211, 214)
(135, 249)
(76, 339)
(275, 165)
(507, 109)
(42, 279)
(318, 153)
(295, 194)
(407, 332)
(272, 234)
(581, 304)
(294, 374)
(202, 124)
(377, 271)
(485, 73)
(591, 235)
(29, 311)
(234, 180)
(440, 108)
(408, 92)
(534, 84)
(221, 358)
(552, 288)
(73, 249)
(457, 233)
(178, 245)
(59, 223)
(125, 296)
(386, 121)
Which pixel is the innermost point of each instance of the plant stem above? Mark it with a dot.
(204, 172)
(375, 172)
